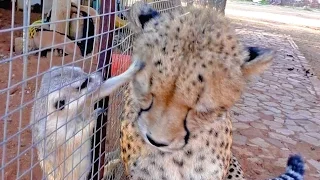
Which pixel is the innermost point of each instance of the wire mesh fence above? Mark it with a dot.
(90, 34)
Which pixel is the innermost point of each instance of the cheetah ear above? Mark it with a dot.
(258, 60)
(139, 14)
(144, 17)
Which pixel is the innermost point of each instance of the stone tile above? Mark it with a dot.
(266, 156)
(304, 113)
(239, 139)
(271, 104)
(256, 160)
(304, 105)
(289, 122)
(247, 118)
(249, 109)
(275, 142)
(296, 128)
(287, 86)
(315, 120)
(260, 142)
(287, 112)
(267, 112)
(314, 163)
(252, 99)
(285, 131)
(312, 127)
(292, 104)
(269, 117)
(309, 139)
(263, 97)
(303, 122)
(295, 116)
(281, 162)
(240, 125)
(272, 124)
(242, 151)
(315, 110)
(279, 120)
(258, 125)
(316, 175)
(286, 107)
(251, 132)
(314, 134)
(282, 138)
(250, 103)
(273, 109)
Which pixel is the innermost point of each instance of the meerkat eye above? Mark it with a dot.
(85, 84)
(60, 104)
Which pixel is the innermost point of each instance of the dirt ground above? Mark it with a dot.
(307, 39)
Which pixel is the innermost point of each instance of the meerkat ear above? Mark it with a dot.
(54, 67)
(258, 60)
(52, 72)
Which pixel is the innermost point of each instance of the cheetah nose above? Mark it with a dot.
(155, 143)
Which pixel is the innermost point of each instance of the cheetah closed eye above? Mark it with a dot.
(176, 123)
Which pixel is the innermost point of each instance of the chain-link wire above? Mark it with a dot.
(36, 36)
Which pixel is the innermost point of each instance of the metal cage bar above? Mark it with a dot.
(107, 24)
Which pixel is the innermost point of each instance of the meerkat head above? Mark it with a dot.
(66, 98)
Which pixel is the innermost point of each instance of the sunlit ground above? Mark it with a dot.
(274, 14)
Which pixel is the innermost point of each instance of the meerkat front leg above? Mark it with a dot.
(94, 116)
(110, 167)
(113, 83)
(97, 112)
(112, 164)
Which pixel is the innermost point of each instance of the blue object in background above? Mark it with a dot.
(95, 5)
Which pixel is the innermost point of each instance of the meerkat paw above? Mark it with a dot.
(110, 167)
(97, 112)
(135, 67)
(110, 85)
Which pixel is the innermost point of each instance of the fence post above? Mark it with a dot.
(107, 7)
(60, 11)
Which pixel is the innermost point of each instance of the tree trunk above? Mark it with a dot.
(219, 5)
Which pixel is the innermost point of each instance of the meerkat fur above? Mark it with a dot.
(63, 118)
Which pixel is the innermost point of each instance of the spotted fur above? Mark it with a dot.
(176, 123)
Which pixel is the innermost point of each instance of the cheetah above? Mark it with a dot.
(176, 123)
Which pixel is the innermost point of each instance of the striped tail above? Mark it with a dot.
(295, 169)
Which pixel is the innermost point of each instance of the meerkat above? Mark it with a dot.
(63, 118)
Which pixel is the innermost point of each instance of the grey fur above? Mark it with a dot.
(58, 134)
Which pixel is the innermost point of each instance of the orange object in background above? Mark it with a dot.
(120, 63)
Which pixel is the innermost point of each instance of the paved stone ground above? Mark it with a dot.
(280, 113)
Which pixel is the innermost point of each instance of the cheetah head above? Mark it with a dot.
(196, 69)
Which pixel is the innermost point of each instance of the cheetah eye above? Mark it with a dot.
(148, 108)
(60, 104)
